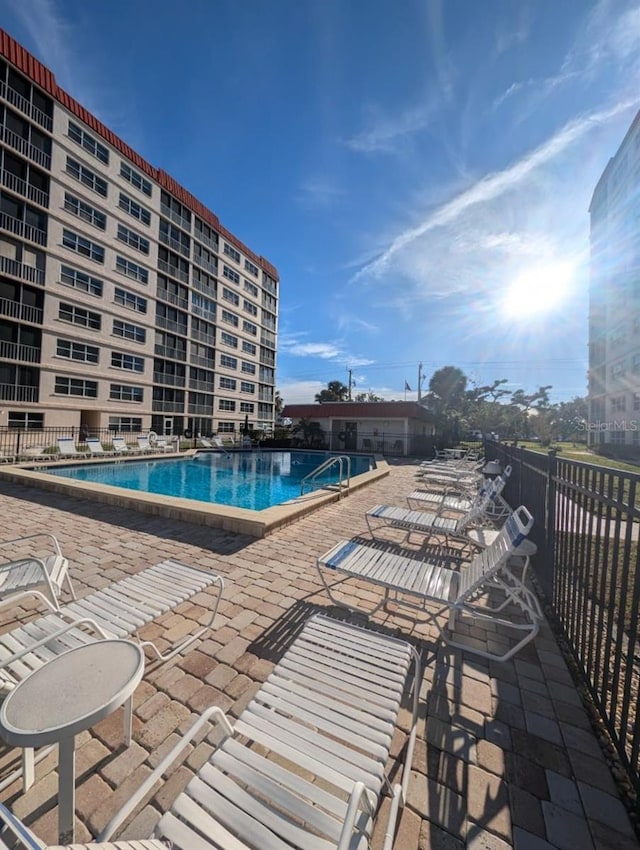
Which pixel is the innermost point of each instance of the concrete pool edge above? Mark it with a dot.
(226, 517)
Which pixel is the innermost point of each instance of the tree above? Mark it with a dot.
(368, 397)
(278, 404)
(524, 403)
(312, 435)
(336, 391)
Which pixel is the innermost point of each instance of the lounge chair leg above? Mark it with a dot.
(28, 769)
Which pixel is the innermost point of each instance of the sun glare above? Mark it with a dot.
(538, 290)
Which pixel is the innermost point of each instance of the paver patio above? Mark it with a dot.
(506, 755)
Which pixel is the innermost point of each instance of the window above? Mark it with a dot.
(227, 383)
(18, 420)
(234, 277)
(248, 347)
(76, 386)
(134, 209)
(618, 403)
(132, 270)
(231, 252)
(77, 351)
(127, 361)
(249, 328)
(248, 368)
(246, 407)
(230, 296)
(128, 331)
(229, 318)
(229, 339)
(226, 427)
(130, 300)
(246, 387)
(122, 392)
(251, 288)
(228, 362)
(79, 316)
(133, 239)
(249, 266)
(83, 246)
(135, 178)
(250, 308)
(84, 211)
(126, 424)
(226, 404)
(86, 177)
(81, 280)
(88, 142)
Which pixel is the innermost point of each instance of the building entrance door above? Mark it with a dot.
(350, 436)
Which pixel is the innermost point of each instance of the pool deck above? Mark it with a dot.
(506, 755)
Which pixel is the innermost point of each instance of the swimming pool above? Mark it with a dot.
(252, 480)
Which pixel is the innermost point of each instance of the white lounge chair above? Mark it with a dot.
(415, 582)
(162, 445)
(303, 766)
(67, 448)
(96, 448)
(120, 446)
(144, 445)
(454, 499)
(40, 567)
(7, 458)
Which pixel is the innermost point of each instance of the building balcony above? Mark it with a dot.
(26, 107)
(26, 231)
(12, 392)
(22, 312)
(168, 380)
(202, 313)
(171, 298)
(175, 217)
(206, 362)
(201, 409)
(15, 269)
(171, 353)
(206, 265)
(208, 338)
(25, 148)
(174, 244)
(201, 386)
(17, 351)
(20, 187)
(170, 325)
(173, 271)
(212, 244)
(167, 406)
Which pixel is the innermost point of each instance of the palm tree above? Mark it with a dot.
(311, 433)
(335, 391)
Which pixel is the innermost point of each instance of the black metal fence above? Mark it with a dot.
(586, 529)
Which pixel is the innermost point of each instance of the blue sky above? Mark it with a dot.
(419, 171)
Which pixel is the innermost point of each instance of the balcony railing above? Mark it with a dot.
(26, 231)
(171, 353)
(25, 106)
(167, 406)
(174, 244)
(203, 313)
(169, 380)
(170, 325)
(17, 351)
(173, 271)
(21, 270)
(171, 298)
(202, 386)
(209, 291)
(202, 336)
(206, 240)
(16, 184)
(205, 264)
(201, 409)
(197, 360)
(175, 217)
(13, 392)
(23, 312)
(25, 148)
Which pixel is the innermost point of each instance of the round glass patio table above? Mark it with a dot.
(67, 695)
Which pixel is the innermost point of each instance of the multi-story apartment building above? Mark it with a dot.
(124, 303)
(614, 303)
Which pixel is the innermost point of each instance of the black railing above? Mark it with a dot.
(588, 567)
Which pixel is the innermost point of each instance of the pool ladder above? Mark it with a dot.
(338, 460)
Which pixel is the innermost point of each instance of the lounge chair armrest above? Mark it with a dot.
(53, 538)
(357, 798)
(66, 627)
(120, 816)
(15, 598)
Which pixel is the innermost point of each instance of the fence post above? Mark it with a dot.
(550, 521)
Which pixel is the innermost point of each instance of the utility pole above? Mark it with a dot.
(350, 382)
(419, 381)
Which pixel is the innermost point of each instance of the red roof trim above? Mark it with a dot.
(39, 74)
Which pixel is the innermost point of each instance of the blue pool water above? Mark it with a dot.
(254, 480)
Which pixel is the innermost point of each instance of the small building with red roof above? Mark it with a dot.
(384, 427)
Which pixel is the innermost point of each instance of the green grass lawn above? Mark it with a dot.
(572, 451)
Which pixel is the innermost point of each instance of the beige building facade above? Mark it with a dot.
(125, 305)
(614, 302)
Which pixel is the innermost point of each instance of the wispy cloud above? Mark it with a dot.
(334, 350)
(319, 192)
(494, 185)
(386, 133)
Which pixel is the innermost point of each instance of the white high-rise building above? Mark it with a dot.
(124, 302)
(614, 303)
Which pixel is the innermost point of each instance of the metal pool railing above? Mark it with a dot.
(338, 460)
(588, 567)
